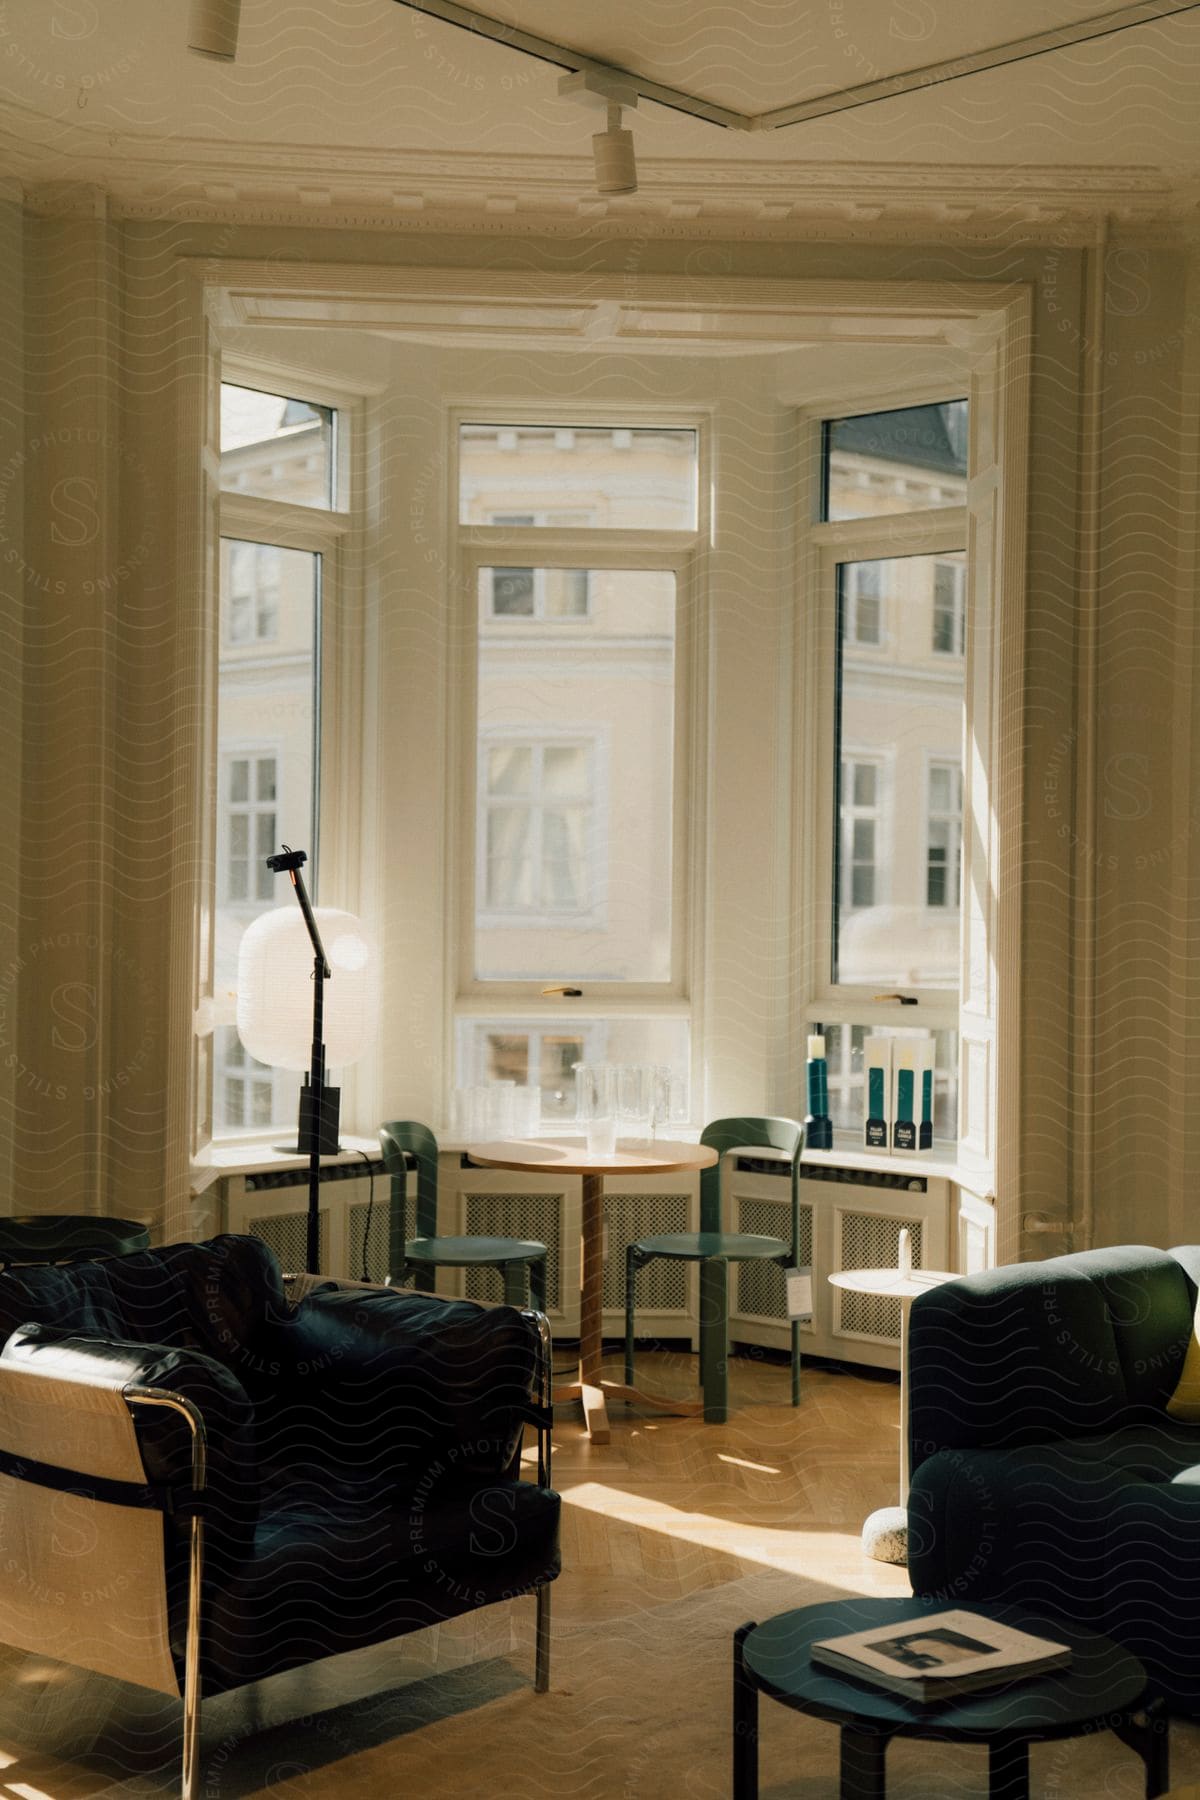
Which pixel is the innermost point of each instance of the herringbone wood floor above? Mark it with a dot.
(674, 1534)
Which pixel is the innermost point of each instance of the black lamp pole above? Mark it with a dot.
(319, 1104)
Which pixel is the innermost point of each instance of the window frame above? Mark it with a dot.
(592, 915)
(683, 554)
(335, 536)
(823, 546)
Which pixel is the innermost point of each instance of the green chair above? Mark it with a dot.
(714, 1249)
(522, 1263)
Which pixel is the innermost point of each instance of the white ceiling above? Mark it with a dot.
(108, 93)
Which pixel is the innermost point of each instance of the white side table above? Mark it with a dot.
(885, 1533)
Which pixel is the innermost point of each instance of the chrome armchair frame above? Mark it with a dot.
(190, 1502)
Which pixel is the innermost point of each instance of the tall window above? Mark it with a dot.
(943, 843)
(537, 858)
(891, 578)
(250, 802)
(575, 817)
(948, 610)
(861, 781)
(277, 455)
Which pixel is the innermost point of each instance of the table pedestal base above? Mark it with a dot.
(885, 1535)
(596, 1394)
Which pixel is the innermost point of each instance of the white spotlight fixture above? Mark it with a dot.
(213, 28)
(612, 149)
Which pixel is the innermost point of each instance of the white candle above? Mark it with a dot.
(816, 1049)
(905, 1252)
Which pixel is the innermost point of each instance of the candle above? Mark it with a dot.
(816, 1049)
(905, 1252)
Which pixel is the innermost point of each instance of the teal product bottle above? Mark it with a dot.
(818, 1126)
(925, 1127)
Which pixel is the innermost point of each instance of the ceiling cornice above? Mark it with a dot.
(203, 179)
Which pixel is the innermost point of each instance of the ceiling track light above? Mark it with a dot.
(612, 148)
(213, 28)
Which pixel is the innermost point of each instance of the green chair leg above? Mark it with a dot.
(631, 1269)
(714, 1339)
(795, 1362)
(537, 1284)
(516, 1283)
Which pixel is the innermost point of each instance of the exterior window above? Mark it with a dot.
(943, 850)
(538, 1053)
(250, 803)
(639, 478)
(574, 802)
(245, 1087)
(277, 454)
(864, 603)
(251, 612)
(539, 593)
(844, 1054)
(860, 818)
(911, 459)
(538, 806)
(948, 608)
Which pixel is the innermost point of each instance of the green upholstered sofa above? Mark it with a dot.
(1045, 1466)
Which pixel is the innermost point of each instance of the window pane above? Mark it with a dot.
(574, 880)
(512, 593)
(844, 1053)
(896, 901)
(547, 475)
(907, 460)
(537, 1049)
(276, 448)
(265, 722)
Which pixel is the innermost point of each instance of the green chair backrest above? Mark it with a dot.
(734, 1134)
(397, 1137)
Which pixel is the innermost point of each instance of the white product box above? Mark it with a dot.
(912, 1093)
(877, 1092)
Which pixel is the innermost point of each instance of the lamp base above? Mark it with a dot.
(318, 1129)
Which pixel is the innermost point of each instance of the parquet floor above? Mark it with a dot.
(674, 1534)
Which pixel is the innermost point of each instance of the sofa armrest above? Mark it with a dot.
(212, 1428)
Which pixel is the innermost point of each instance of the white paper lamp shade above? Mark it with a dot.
(275, 988)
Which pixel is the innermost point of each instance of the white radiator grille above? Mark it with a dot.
(287, 1236)
(535, 1217)
(662, 1286)
(760, 1289)
(872, 1241)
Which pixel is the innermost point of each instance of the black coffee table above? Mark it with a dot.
(1104, 1689)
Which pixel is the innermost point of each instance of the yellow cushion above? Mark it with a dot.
(1185, 1401)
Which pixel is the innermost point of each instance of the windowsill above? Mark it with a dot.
(236, 1156)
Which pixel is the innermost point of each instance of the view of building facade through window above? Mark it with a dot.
(575, 768)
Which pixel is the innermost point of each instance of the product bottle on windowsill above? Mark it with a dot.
(818, 1126)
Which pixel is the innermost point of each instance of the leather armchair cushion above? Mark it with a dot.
(164, 1438)
(333, 1571)
(384, 1385)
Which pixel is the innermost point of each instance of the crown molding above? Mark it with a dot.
(202, 180)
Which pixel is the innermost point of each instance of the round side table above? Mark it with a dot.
(885, 1533)
(1103, 1689)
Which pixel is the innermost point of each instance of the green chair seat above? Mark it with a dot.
(461, 1252)
(520, 1261)
(697, 1246)
(714, 1249)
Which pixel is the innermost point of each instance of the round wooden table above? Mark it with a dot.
(569, 1156)
(1103, 1688)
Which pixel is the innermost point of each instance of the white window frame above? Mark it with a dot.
(335, 536)
(824, 546)
(683, 554)
(878, 814)
(592, 914)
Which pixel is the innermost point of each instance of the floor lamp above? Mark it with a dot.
(274, 1013)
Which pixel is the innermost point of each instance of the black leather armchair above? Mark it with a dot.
(252, 1482)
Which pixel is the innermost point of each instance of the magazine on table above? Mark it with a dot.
(946, 1654)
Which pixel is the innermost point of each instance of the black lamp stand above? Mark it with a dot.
(319, 1104)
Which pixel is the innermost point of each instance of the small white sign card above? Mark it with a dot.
(799, 1294)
